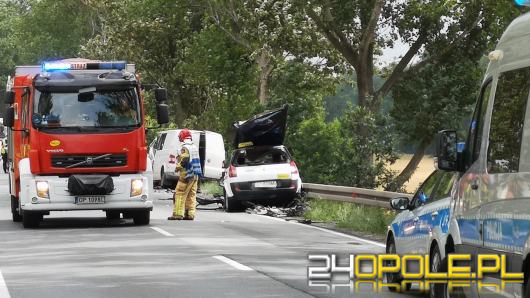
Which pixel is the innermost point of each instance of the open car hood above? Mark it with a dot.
(265, 129)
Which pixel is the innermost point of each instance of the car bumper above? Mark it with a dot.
(263, 194)
(147, 205)
(60, 199)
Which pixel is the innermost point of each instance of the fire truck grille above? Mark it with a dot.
(114, 160)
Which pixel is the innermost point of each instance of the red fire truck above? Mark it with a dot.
(76, 140)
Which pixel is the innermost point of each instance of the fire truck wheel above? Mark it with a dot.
(142, 218)
(14, 209)
(112, 215)
(31, 220)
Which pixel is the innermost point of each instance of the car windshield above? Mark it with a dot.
(96, 109)
(260, 156)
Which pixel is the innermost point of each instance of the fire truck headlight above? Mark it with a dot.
(43, 189)
(137, 186)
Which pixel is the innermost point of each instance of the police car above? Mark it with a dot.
(422, 226)
(492, 204)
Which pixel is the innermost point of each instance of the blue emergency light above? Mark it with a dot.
(58, 66)
(48, 66)
(522, 2)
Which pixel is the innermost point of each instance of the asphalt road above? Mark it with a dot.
(80, 254)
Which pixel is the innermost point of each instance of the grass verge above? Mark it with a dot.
(351, 216)
(211, 187)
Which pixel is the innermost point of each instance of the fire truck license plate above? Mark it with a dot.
(90, 200)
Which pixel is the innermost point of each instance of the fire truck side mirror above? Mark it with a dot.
(160, 94)
(10, 97)
(162, 114)
(9, 117)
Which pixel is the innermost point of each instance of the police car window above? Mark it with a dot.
(477, 124)
(507, 121)
(443, 190)
(425, 192)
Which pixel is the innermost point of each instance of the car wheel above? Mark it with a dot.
(231, 204)
(392, 278)
(437, 290)
(527, 289)
(31, 220)
(14, 209)
(163, 180)
(142, 218)
(112, 215)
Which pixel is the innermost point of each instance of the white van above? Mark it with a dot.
(165, 148)
(492, 204)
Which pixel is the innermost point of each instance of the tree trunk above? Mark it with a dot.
(365, 80)
(178, 107)
(411, 167)
(264, 62)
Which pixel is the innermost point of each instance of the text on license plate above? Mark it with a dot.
(265, 184)
(90, 200)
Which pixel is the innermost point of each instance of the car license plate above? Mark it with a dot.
(265, 184)
(90, 200)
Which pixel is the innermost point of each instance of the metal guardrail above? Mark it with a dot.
(352, 194)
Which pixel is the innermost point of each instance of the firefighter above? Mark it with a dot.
(4, 156)
(189, 168)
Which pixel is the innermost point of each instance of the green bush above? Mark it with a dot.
(351, 216)
(211, 187)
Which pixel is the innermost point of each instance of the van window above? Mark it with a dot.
(161, 141)
(477, 124)
(507, 121)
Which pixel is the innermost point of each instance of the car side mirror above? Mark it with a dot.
(9, 117)
(401, 203)
(10, 97)
(160, 94)
(162, 113)
(446, 150)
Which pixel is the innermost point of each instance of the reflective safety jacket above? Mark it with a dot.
(194, 166)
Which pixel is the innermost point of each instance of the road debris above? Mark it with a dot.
(207, 199)
(296, 209)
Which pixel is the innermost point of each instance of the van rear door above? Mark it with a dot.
(214, 156)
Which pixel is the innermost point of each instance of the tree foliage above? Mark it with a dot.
(225, 60)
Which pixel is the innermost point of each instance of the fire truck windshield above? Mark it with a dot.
(101, 109)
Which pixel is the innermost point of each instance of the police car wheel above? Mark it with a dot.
(527, 289)
(392, 277)
(437, 265)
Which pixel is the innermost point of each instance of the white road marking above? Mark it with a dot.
(233, 263)
(330, 231)
(161, 231)
(4, 292)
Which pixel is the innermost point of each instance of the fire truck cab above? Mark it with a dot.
(77, 140)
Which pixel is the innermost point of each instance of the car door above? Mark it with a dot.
(158, 160)
(409, 237)
(214, 155)
(435, 215)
